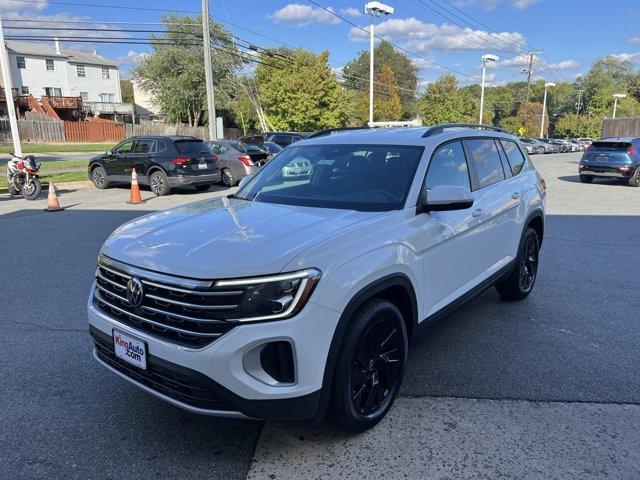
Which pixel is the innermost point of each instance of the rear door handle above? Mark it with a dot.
(515, 195)
(477, 212)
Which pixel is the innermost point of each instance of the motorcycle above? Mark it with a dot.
(22, 177)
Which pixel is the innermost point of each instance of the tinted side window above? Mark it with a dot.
(124, 147)
(144, 146)
(484, 154)
(514, 155)
(448, 166)
(161, 146)
(282, 139)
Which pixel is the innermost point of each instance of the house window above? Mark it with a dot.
(105, 72)
(80, 71)
(107, 97)
(52, 91)
(24, 90)
(84, 96)
(49, 63)
(22, 63)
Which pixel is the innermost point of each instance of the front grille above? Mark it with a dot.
(179, 383)
(183, 311)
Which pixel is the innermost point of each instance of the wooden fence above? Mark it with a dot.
(153, 128)
(34, 131)
(621, 127)
(94, 131)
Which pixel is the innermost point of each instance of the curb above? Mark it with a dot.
(61, 185)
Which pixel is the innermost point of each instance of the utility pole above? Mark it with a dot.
(529, 72)
(485, 58)
(8, 93)
(579, 102)
(544, 106)
(208, 75)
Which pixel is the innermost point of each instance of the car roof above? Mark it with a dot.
(401, 136)
(619, 139)
(164, 137)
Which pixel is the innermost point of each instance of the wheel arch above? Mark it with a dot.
(398, 289)
(535, 220)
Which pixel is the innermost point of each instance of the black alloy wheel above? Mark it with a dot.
(159, 183)
(518, 283)
(370, 366)
(99, 178)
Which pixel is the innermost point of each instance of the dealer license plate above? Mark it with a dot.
(130, 349)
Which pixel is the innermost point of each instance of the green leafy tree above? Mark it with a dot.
(174, 72)
(576, 126)
(126, 88)
(298, 91)
(386, 102)
(356, 74)
(444, 102)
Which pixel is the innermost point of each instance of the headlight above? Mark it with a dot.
(272, 297)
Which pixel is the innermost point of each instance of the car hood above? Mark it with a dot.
(224, 238)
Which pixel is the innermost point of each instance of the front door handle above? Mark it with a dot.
(515, 195)
(477, 212)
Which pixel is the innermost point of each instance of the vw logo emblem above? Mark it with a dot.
(135, 292)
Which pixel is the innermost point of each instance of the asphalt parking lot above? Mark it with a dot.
(546, 388)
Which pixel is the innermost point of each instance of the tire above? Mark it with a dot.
(202, 188)
(634, 181)
(159, 183)
(228, 178)
(31, 190)
(586, 178)
(13, 190)
(99, 178)
(520, 281)
(369, 367)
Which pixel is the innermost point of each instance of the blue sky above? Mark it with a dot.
(438, 33)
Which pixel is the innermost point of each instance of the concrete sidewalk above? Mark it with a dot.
(452, 438)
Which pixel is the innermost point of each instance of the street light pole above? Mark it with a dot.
(208, 75)
(616, 96)
(375, 9)
(8, 93)
(544, 106)
(485, 58)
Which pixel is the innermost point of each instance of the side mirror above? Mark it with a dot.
(109, 152)
(244, 181)
(443, 198)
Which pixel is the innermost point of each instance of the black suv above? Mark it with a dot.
(161, 162)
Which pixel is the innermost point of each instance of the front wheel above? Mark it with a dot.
(370, 366)
(31, 189)
(228, 178)
(159, 183)
(99, 178)
(519, 283)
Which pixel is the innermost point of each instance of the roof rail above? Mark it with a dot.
(330, 131)
(445, 126)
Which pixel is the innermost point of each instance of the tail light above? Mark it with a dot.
(181, 161)
(543, 184)
(246, 159)
(587, 149)
(631, 151)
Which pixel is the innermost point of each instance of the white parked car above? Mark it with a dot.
(294, 298)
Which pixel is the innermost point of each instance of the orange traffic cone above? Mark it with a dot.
(135, 189)
(52, 199)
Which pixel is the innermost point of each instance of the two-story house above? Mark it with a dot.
(47, 70)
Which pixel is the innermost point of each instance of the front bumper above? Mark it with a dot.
(218, 373)
(190, 180)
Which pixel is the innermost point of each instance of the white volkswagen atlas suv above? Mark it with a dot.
(297, 297)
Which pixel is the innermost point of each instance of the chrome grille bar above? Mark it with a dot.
(190, 305)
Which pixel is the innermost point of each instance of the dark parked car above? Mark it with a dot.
(272, 148)
(237, 160)
(284, 139)
(550, 145)
(533, 146)
(161, 162)
(612, 158)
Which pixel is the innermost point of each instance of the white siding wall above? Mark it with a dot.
(93, 83)
(36, 76)
(65, 77)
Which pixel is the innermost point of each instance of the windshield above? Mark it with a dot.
(353, 177)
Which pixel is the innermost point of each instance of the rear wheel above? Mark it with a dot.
(519, 283)
(634, 181)
(99, 178)
(370, 366)
(13, 190)
(202, 188)
(586, 178)
(228, 178)
(159, 183)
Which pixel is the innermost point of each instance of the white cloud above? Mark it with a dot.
(302, 15)
(634, 40)
(565, 65)
(420, 36)
(522, 4)
(12, 6)
(629, 57)
(491, 4)
(352, 12)
(131, 57)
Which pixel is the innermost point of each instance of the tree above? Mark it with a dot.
(356, 75)
(607, 76)
(576, 126)
(443, 102)
(386, 102)
(298, 91)
(174, 72)
(126, 87)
